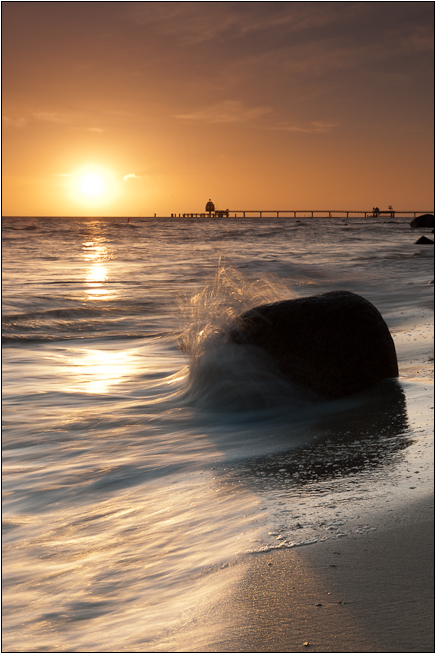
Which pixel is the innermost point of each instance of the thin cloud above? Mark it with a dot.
(229, 111)
(197, 22)
(131, 176)
(18, 121)
(52, 117)
(420, 38)
(314, 127)
(234, 112)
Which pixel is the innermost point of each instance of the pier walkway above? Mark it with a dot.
(300, 213)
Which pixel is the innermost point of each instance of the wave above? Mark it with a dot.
(21, 229)
(212, 310)
(240, 398)
(123, 321)
(86, 334)
(83, 313)
(225, 378)
(63, 314)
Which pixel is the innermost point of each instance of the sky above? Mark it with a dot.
(143, 108)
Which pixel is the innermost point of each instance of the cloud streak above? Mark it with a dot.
(234, 112)
(73, 120)
(131, 176)
(226, 112)
(314, 127)
(14, 121)
(53, 117)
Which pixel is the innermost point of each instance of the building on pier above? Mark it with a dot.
(217, 213)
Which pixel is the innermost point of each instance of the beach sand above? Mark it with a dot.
(371, 592)
(368, 593)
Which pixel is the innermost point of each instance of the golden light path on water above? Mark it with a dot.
(97, 370)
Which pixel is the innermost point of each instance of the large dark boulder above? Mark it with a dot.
(426, 220)
(336, 344)
(424, 241)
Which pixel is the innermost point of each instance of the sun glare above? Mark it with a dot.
(92, 185)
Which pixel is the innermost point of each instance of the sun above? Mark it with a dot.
(92, 185)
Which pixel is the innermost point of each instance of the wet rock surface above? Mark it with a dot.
(424, 241)
(426, 220)
(336, 344)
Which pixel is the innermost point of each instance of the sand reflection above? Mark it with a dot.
(361, 438)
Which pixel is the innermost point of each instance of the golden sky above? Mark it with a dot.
(137, 108)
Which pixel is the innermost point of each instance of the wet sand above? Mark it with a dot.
(368, 593)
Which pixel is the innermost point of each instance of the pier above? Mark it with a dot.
(301, 213)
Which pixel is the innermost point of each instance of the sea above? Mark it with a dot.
(144, 456)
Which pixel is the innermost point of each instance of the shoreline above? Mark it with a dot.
(376, 593)
(369, 592)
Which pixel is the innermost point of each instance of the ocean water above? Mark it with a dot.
(142, 456)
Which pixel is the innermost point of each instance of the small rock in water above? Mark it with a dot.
(424, 241)
(426, 220)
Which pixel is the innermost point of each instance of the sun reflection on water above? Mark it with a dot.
(96, 371)
(97, 273)
(93, 251)
(97, 254)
